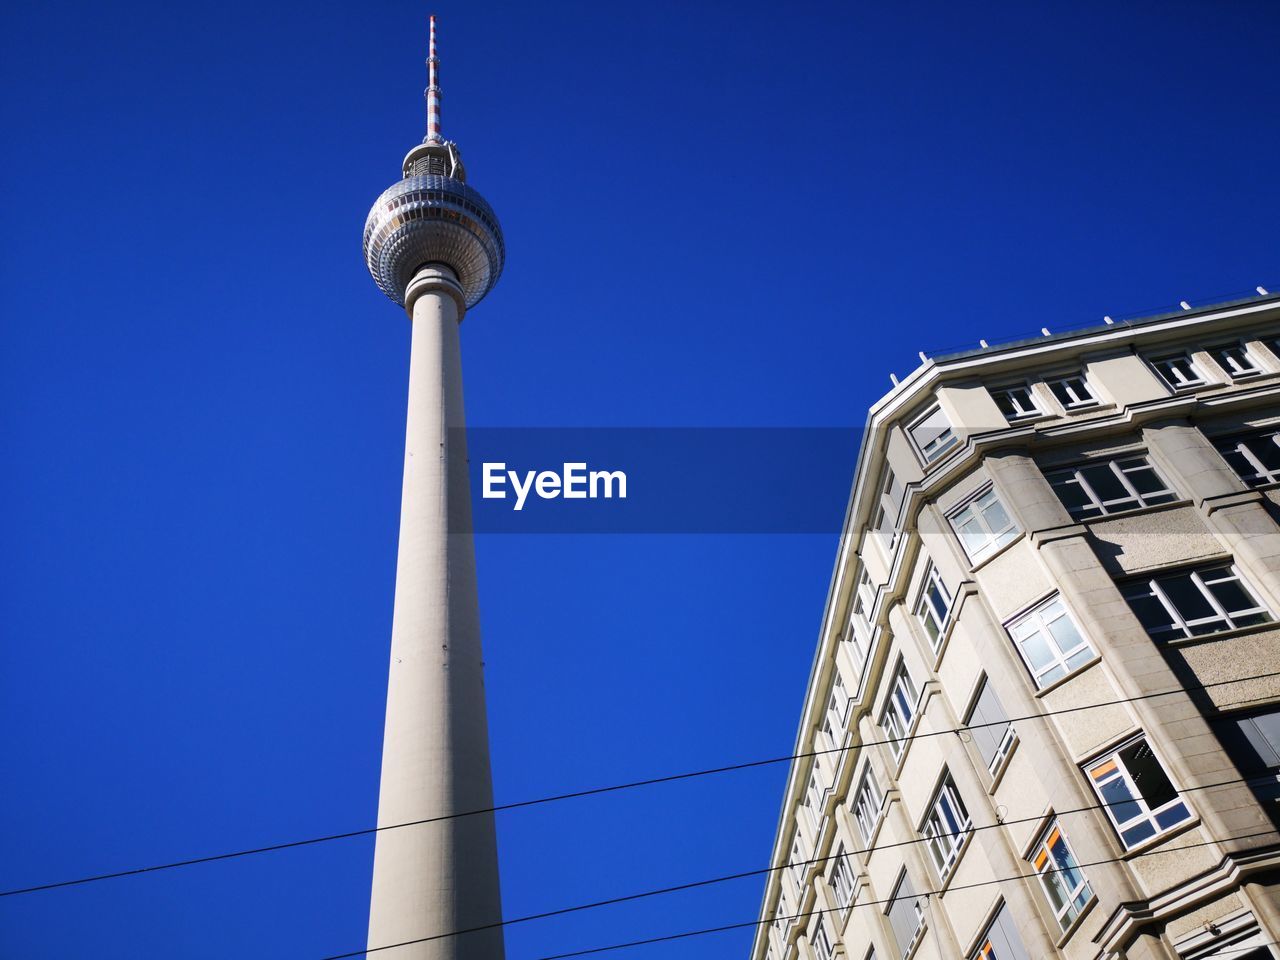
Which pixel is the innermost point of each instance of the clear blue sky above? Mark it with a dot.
(716, 214)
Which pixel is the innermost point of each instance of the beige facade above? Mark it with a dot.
(1044, 715)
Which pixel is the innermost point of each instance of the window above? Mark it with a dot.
(1236, 360)
(1179, 371)
(1136, 792)
(1109, 486)
(1016, 402)
(934, 606)
(821, 942)
(946, 827)
(795, 868)
(983, 525)
(1001, 940)
(867, 805)
(813, 800)
(906, 918)
(1063, 884)
(1050, 642)
(864, 596)
(842, 882)
(1194, 602)
(889, 512)
(990, 728)
(838, 705)
(1253, 743)
(932, 435)
(1255, 458)
(899, 709)
(1073, 392)
(782, 916)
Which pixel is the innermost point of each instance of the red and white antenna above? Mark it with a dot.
(433, 89)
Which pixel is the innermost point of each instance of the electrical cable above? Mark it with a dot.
(871, 903)
(613, 788)
(711, 881)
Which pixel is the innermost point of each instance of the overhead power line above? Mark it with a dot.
(748, 924)
(711, 881)
(613, 788)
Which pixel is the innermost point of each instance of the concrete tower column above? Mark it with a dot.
(433, 244)
(442, 876)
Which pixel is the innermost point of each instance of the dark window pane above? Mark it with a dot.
(1232, 595)
(1186, 596)
(1145, 480)
(1104, 482)
(1149, 777)
(1267, 452)
(1151, 612)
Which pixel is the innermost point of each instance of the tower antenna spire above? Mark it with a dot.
(433, 89)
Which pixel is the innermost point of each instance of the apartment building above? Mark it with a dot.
(1043, 719)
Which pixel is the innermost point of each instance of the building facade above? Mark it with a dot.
(1043, 719)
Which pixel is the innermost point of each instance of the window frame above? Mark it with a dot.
(1150, 587)
(1004, 746)
(1044, 676)
(820, 931)
(843, 879)
(996, 538)
(1176, 383)
(1218, 351)
(904, 879)
(1032, 409)
(1075, 898)
(1059, 477)
(1237, 444)
(937, 448)
(934, 621)
(1002, 921)
(867, 818)
(945, 840)
(1070, 406)
(902, 704)
(1110, 768)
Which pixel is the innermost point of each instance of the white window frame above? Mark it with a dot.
(1178, 381)
(1062, 663)
(844, 884)
(1203, 577)
(945, 440)
(813, 798)
(838, 705)
(1056, 869)
(1078, 391)
(796, 869)
(1022, 398)
(899, 897)
(1237, 368)
(1007, 739)
(1242, 445)
(1111, 769)
(868, 805)
(946, 827)
(1000, 931)
(888, 515)
(900, 710)
(820, 941)
(976, 508)
(1121, 468)
(934, 606)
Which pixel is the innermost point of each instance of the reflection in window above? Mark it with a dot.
(1136, 792)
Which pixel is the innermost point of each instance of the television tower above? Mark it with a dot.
(434, 246)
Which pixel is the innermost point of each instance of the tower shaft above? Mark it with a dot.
(437, 877)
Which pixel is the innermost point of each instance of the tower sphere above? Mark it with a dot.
(433, 216)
